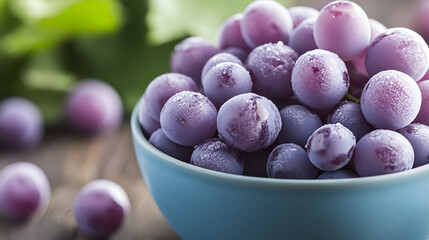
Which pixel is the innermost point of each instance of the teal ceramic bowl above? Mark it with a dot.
(203, 204)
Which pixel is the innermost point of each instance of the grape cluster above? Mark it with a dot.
(296, 93)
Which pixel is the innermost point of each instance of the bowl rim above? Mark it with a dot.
(344, 182)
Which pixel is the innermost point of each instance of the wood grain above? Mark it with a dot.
(71, 161)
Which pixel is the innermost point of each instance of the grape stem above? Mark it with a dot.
(349, 97)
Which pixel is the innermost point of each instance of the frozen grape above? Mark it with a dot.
(266, 22)
(230, 33)
(159, 140)
(270, 66)
(331, 147)
(302, 38)
(93, 107)
(226, 80)
(190, 55)
(248, 122)
(290, 161)
(216, 155)
(342, 27)
(391, 100)
(188, 118)
(301, 13)
(418, 135)
(219, 58)
(162, 88)
(320, 79)
(146, 121)
(399, 49)
(376, 29)
(423, 116)
(381, 152)
(298, 123)
(349, 114)
(24, 190)
(21, 124)
(342, 173)
(239, 53)
(101, 207)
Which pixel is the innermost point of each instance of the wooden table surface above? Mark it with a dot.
(70, 161)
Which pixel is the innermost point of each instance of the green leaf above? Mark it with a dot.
(171, 19)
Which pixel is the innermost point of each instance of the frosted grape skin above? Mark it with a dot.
(265, 22)
(302, 38)
(320, 79)
(219, 58)
(159, 140)
(162, 88)
(101, 208)
(230, 34)
(423, 116)
(342, 27)
(24, 190)
(391, 100)
(270, 66)
(226, 80)
(21, 124)
(331, 147)
(188, 118)
(93, 107)
(190, 55)
(301, 13)
(418, 135)
(339, 174)
(298, 123)
(248, 122)
(216, 155)
(349, 114)
(399, 49)
(290, 161)
(382, 152)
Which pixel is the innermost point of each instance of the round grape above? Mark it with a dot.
(239, 53)
(418, 135)
(302, 38)
(188, 118)
(391, 100)
(148, 124)
(301, 13)
(230, 33)
(381, 152)
(219, 58)
(159, 140)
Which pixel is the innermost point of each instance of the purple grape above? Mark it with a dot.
(266, 22)
(320, 79)
(162, 88)
(423, 116)
(146, 121)
(399, 49)
(216, 155)
(190, 55)
(376, 29)
(270, 66)
(219, 58)
(239, 53)
(302, 13)
(331, 147)
(255, 163)
(188, 118)
(302, 38)
(381, 152)
(230, 33)
(93, 107)
(24, 190)
(418, 135)
(339, 174)
(248, 122)
(342, 27)
(101, 207)
(226, 80)
(390, 100)
(290, 161)
(349, 114)
(426, 76)
(298, 123)
(21, 124)
(159, 140)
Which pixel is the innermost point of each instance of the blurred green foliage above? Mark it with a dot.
(48, 45)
